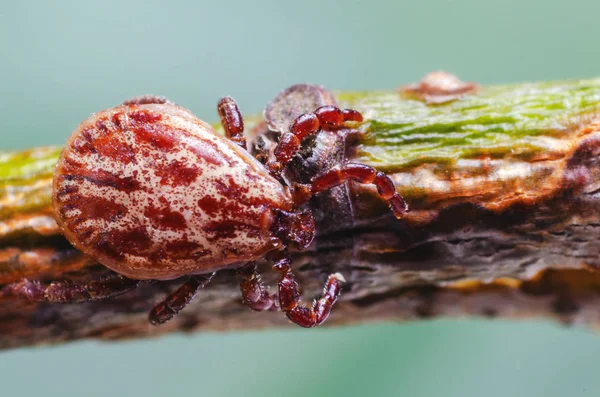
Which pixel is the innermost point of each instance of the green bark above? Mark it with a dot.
(515, 120)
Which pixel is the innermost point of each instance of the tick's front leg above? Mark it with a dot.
(289, 295)
(325, 117)
(363, 174)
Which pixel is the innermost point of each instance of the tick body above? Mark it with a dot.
(153, 193)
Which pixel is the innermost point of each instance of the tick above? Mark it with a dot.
(153, 193)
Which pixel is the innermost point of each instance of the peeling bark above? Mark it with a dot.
(503, 187)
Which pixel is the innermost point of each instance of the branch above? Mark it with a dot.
(503, 188)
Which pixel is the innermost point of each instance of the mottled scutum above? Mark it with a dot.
(154, 193)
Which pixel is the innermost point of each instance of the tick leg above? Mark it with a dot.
(174, 303)
(289, 296)
(232, 120)
(254, 294)
(364, 174)
(325, 117)
(66, 292)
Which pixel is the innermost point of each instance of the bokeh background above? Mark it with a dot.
(62, 60)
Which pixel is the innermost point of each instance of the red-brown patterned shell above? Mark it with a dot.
(152, 192)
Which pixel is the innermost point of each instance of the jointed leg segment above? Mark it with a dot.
(364, 174)
(232, 121)
(328, 117)
(254, 294)
(179, 299)
(289, 295)
(257, 298)
(66, 292)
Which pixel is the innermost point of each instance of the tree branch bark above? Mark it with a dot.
(504, 222)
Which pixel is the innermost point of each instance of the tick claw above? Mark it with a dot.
(338, 276)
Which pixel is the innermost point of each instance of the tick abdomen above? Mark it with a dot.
(152, 192)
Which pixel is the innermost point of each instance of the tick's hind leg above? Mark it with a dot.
(289, 296)
(179, 299)
(66, 292)
(364, 174)
(232, 120)
(254, 294)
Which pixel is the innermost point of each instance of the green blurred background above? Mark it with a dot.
(62, 60)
